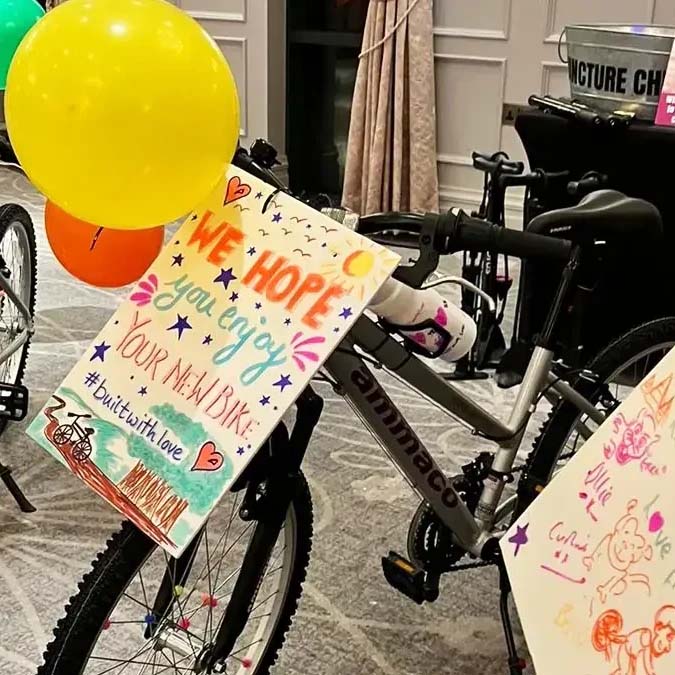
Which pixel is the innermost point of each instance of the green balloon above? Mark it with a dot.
(17, 17)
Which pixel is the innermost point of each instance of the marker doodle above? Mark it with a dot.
(635, 651)
(621, 550)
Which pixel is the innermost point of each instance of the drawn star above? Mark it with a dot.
(265, 400)
(346, 312)
(519, 538)
(336, 330)
(240, 450)
(251, 251)
(276, 218)
(258, 305)
(99, 351)
(207, 340)
(287, 321)
(177, 260)
(143, 391)
(225, 277)
(234, 296)
(180, 325)
(283, 382)
(259, 195)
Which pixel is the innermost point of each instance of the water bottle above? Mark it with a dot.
(432, 326)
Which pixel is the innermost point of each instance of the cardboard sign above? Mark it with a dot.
(665, 113)
(193, 372)
(592, 561)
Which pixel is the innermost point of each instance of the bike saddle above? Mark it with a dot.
(603, 214)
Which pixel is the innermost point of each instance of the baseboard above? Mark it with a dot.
(469, 199)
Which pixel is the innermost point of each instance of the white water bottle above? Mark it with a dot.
(426, 318)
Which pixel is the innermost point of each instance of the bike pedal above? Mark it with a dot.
(13, 401)
(405, 577)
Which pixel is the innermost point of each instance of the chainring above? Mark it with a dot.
(430, 542)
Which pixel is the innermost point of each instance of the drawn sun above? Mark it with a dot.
(358, 266)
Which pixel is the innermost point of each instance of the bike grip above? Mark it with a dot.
(460, 231)
(498, 162)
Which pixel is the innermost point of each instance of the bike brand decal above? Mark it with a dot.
(404, 435)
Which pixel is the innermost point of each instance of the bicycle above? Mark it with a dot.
(18, 264)
(64, 433)
(196, 614)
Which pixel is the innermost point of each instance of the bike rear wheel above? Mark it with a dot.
(107, 624)
(617, 370)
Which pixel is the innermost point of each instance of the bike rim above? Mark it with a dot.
(127, 622)
(634, 370)
(15, 250)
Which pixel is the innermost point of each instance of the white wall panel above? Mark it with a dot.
(224, 10)
(487, 19)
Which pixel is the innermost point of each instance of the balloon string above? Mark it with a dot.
(95, 239)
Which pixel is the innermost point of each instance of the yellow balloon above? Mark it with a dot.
(122, 113)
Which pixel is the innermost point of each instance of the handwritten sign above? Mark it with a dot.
(195, 369)
(665, 112)
(592, 561)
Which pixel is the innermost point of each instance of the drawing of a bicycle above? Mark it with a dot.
(67, 433)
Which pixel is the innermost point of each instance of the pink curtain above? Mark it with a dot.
(391, 153)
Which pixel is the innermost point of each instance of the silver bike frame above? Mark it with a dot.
(371, 403)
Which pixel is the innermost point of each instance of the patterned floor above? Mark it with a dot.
(349, 621)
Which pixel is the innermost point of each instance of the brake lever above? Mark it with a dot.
(416, 274)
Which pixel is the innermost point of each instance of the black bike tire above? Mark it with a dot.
(13, 213)
(555, 431)
(76, 633)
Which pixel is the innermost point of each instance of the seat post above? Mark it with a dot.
(545, 339)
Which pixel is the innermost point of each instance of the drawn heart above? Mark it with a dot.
(441, 317)
(208, 459)
(236, 190)
(656, 521)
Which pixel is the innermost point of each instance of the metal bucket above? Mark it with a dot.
(618, 67)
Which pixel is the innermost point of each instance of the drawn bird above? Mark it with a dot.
(298, 220)
(273, 202)
(309, 239)
(302, 253)
(285, 231)
(329, 229)
(264, 234)
(241, 208)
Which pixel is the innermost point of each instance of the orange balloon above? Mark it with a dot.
(101, 256)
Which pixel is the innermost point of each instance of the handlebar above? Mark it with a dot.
(457, 231)
(497, 163)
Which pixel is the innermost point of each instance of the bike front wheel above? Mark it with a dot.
(112, 624)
